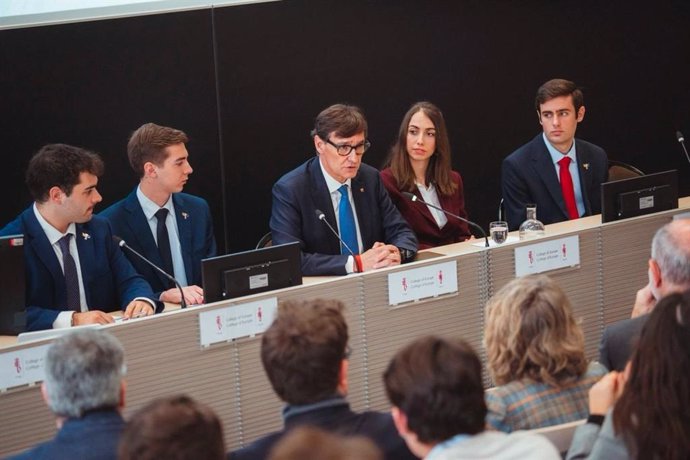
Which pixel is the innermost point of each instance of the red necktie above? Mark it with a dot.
(567, 188)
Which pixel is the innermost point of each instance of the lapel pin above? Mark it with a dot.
(585, 165)
(184, 215)
(361, 189)
(85, 235)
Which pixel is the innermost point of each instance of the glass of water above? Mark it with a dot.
(499, 231)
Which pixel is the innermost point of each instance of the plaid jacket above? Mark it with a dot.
(525, 405)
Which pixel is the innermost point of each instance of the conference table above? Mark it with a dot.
(165, 354)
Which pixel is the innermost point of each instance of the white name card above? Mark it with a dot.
(547, 256)
(420, 283)
(22, 367)
(229, 323)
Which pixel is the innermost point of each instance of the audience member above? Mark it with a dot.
(351, 198)
(73, 266)
(668, 272)
(435, 387)
(643, 412)
(171, 228)
(420, 163)
(536, 355)
(306, 358)
(308, 443)
(173, 428)
(84, 387)
(560, 174)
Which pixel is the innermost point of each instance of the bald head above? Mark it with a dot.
(671, 252)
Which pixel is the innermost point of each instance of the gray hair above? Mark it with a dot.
(671, 251)
(84, 371)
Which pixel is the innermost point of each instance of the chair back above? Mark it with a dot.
(265, 241)
(619, 170)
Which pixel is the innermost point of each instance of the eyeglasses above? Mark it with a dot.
(348, 352)
(346, 149)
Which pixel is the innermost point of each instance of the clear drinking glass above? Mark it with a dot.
(499, 231)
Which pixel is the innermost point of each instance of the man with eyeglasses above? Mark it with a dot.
(334, 189)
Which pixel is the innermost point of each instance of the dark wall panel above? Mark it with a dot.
(91, 84)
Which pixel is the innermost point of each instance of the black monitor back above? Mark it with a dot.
(638, 196)
(12, 285)
(251, 272)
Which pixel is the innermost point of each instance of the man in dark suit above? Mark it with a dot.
(669, 272)
(84, 387)
(306, 358)
(334, 182)
(74, 270)
(158, 154)
(560, 174)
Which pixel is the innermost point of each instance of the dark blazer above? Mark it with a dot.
(336, 418)
(94, 436)
(298, 194)
(420, 219)
(194, 223)
(618, 341)
(529, 176)
(110, 281)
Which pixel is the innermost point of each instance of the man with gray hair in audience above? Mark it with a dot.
(84, 387)
(668, 272)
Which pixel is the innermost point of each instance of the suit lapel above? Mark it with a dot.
(87, 257)
(544, 169)
(322, 200)
(584, 165)
(184, 218)
(140, 228)
(45, 253)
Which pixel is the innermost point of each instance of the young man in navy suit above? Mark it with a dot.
(560, 174)
(351, 197)
(306, 358)
(74, 270)
(84, 387)
(172, 229)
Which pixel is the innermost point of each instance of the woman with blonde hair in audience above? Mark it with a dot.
(650, 399)
(536, 355)
(420, 163)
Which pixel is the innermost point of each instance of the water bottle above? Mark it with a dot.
(531, 228)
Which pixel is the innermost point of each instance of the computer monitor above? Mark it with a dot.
(638, 196)
(12, 285)
(251, 272)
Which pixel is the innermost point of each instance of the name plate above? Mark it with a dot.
(547, 256)
(22, 367)
(229, 323)
(421, 283)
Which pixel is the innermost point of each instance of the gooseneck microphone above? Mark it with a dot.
(120, 242)
(681, 139)
(322, 217)
(414, 197)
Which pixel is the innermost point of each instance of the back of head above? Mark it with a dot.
(59, 165)
(84, 372)
(437, 384)
(308, 443)
(652, 412)
(671, 251)
(556, 88)
(531, 333)
(148, 143)
(438, 170)
(341, 119)
(175, 428)
(303, 349)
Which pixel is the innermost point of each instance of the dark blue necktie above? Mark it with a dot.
(164, 241)
(348, 231)
(70, 271)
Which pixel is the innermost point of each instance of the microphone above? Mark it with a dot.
(322, 217)
(414, 197)
(681, 139)
(120, 242)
